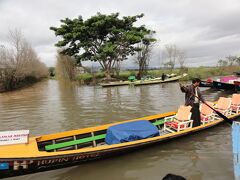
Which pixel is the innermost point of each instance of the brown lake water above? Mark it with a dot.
(52, 106)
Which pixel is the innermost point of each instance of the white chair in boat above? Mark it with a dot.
(235, 106)
(180, 121)
(223, 105)
(206, 113)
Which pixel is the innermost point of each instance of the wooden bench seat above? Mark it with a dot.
(74, 142)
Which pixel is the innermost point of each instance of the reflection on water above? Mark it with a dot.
(53, 106)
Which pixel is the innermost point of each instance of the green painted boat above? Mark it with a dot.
(143, 82)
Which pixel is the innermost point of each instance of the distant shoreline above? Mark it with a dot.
(93, 79)
(193, 72)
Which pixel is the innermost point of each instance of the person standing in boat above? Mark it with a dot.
(163, 76)
(193, 97)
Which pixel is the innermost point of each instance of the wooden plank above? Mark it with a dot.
(74, 137)
(54, 142)
(94, 142)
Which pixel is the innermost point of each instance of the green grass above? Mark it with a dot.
(86, 78)
(204, 73)
(123, 75)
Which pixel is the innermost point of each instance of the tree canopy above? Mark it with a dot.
(106, 39)
(229, 61)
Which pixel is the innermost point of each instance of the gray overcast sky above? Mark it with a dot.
(205, 29)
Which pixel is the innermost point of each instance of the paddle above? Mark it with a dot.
(216, 111)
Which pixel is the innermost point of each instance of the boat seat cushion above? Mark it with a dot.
(174, 124)
(204, 118)
(130, 131)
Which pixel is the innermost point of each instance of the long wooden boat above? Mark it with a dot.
(226, 86)
(227, 83)
(143, 82)
(47, 152)
(158, 80)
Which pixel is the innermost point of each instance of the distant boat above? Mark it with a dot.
(227, 83)
(143, 82)
(225, 86)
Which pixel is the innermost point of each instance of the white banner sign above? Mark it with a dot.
(14, 137)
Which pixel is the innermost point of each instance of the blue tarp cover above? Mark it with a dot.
(130, 131)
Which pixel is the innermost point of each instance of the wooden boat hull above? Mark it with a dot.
(149, 82)
(44, 161)
(124, 83)
(142, 82)
(225, 86)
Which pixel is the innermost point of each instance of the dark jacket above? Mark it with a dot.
(189, 94)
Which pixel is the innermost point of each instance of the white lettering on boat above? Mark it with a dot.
(65, 159)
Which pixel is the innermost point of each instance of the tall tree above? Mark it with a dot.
(144, 53)
(19, 62)
(231, 60)
(106, 39)
(174, 54)
(181, 57)
(171, 50)
(238, 61)
(222, 63)
(65, 68)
